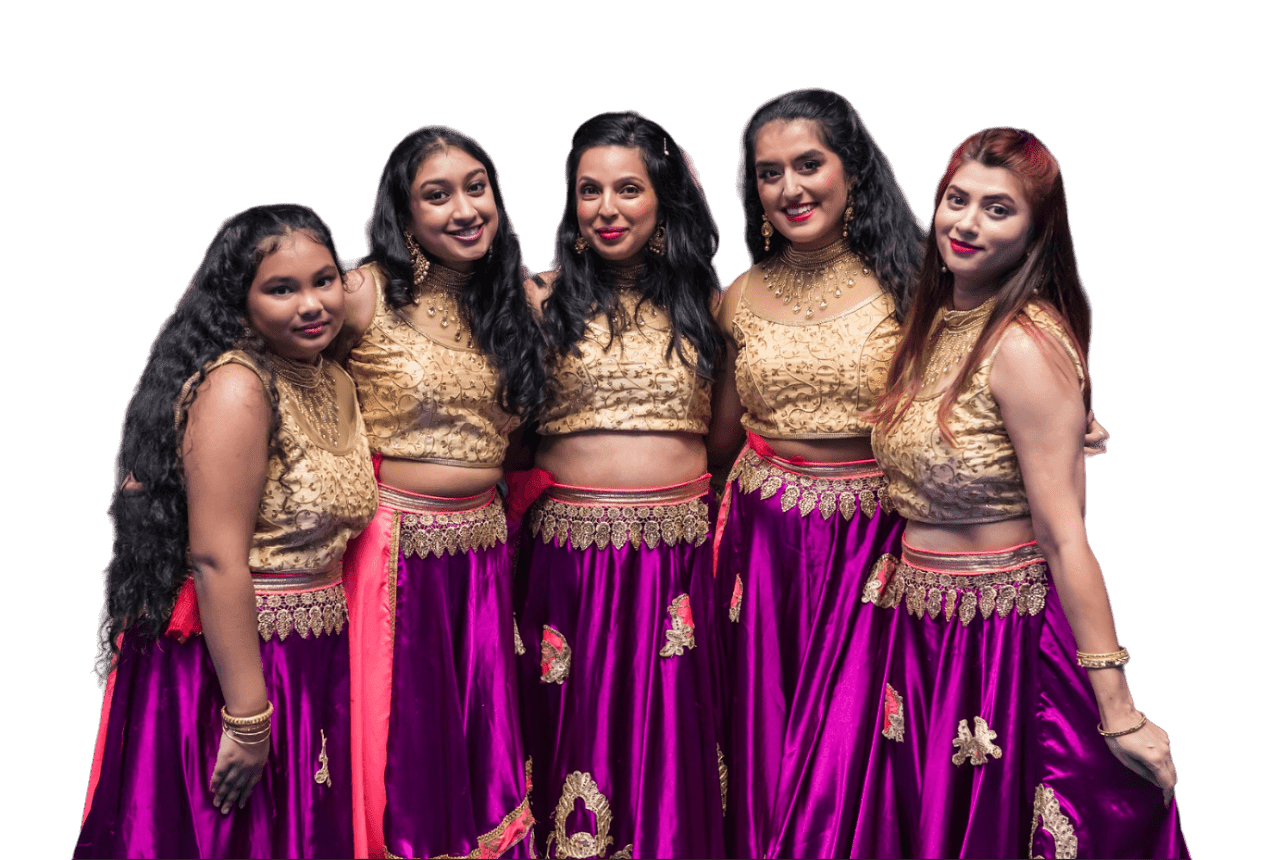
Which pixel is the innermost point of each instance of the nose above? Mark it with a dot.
(309, 304)
(967, 223)
(790, 184)
(608, 204)
(463, 211)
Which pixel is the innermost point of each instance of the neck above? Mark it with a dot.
(967, 294)
(815, 255)
(443, 277)
(623, 274)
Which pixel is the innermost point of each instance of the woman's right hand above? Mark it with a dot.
(236, 772)
(1146, 752)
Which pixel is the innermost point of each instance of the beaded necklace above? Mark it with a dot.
(953, 339)
(440, 294)
(802, 280)
(315, 392)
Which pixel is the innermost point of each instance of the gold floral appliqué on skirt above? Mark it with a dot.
(1046, 813)
(975, 746)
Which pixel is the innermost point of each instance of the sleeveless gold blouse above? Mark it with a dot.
(627, 384)
(978, 480)
(424, 400)
(812, 380)
(320, 493)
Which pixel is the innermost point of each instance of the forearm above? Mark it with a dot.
(229, 616)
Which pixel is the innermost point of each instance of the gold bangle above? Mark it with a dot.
(246, 743)
(1106, 734)
(1113, 660)
(250, 722)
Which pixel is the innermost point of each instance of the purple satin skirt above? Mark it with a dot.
(617, 673)
(805, 666)
(987, 744)
(164, 727)
(456, 779)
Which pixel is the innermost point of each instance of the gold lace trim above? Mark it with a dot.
(307, 613)
(556, 656)
(948, 594)
(680, 636)
(723, 770)
(844, 488)
(582, 844)
(322, 774)
(580, 526)
(455, 532)
(975, 746)
(1046, 813)
(520, 649)
(894, 721)
(735, 600)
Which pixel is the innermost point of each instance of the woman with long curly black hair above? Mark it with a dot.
(447, 358)
(617, 682)
(243, 470)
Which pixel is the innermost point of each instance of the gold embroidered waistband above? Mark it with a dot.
(961, 584)
(413, 503)
(307, 613)
(582, 516)
(444, 529)
(846, 487)
(282, 581)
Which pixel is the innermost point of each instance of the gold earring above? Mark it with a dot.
(580, 244)
(766, 230)
(421, 265)
(658, 241)
(848, 218)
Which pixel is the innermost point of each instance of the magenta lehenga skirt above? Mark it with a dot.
(804, 665)
(987, 744)
(619, 647)
(439, 765)
(163, 727)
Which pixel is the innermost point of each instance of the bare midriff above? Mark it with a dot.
(972, 537)
(843, 450)
(438, 479)
(623, 459)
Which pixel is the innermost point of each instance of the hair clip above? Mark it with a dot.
(664, 147)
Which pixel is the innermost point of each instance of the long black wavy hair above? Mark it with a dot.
(494, 306)
(681, 281)
(149, 553)
(883, 232)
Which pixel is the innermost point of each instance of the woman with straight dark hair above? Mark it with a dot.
(618, 679)
(1009, 726)
(446, 357)
(243, 470)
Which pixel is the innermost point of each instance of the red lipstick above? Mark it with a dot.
(963, 248)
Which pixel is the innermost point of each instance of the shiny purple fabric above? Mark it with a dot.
(805, 673)
(455, 763)
(164, 728)
(640, 725)
(1018, 673)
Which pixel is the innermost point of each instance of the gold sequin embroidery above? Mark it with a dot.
(582, 844)
(680, 636)
(735, 600)
(322, 775)
(723, 770)
(307, 613)
(520, 649)
(556, 656)
(976, 746)
(894, 720)
(1046, 813)
(808, 492)
(581, 526)
(949, 594)
(454, 532)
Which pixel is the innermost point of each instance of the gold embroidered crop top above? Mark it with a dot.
(322, 491)
(424, 399)
(812, 380)
(978, 480)
(628, 384)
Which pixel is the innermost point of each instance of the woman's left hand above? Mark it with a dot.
(1146, 752)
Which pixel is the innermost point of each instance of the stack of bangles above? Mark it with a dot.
(1113, 660)
(249, 731)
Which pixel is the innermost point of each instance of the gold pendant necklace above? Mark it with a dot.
(954, 338)
(440, 295)
(315, 393)
(802, 280)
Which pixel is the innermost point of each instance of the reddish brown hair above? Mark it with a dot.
(1046, 274)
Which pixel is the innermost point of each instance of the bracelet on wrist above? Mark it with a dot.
(253, 721)
(1106, 734)
(1112, 660)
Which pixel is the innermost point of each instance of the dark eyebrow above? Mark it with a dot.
(804, 156)
(999, 198)
(279, 279)
(479, 170)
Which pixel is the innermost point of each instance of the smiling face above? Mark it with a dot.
(616, 203)
(802, 184)
(452, 207)
(982, 225)
(296, 302)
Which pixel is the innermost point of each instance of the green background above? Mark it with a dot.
(132, 132)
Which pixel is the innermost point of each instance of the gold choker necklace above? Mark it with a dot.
(803, 279)
(956, 334)
(439, 294)
(623, 277)
(313, 389)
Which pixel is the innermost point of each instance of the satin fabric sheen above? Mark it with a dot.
(439, 759)
(163, 731)
(1019, 674)
(642, 726)
(805, 673)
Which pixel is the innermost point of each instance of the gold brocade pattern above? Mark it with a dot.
(811, 380)
(306, 613)
(423, 398)
(950, 595)
(855, 489)
(322, 774)
(723, 770)
(629, 383)
(894, 720)
(582, 844)
(316, 495)
(680, 636)
(582, 526)
(978, 480)
(1046, 813)
(453, 532)
(975, 746)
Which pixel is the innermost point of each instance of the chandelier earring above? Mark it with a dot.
(658, 241)
(766, 230)
(421, 265)
(579, 244)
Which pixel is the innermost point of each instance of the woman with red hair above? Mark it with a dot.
(1007, 724)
